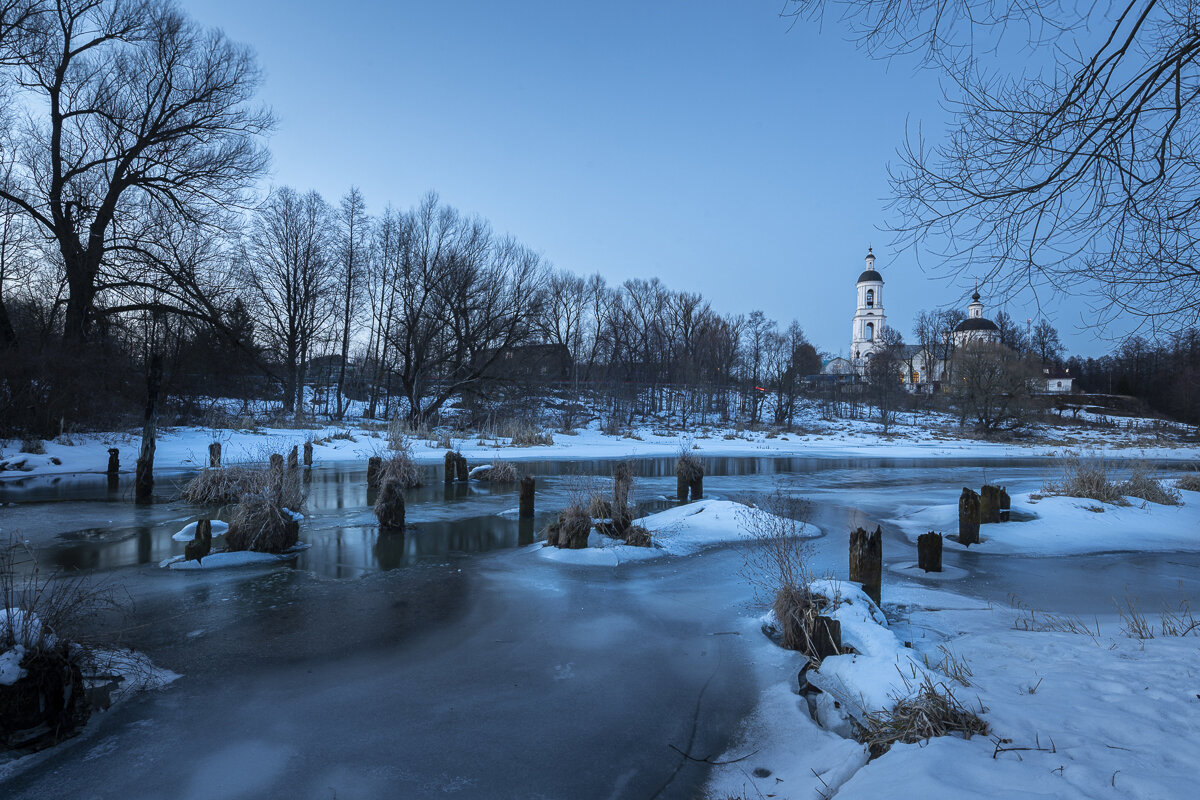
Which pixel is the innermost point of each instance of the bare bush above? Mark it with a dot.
(35, 447)
(1086, 475)
(1189, 482)
(224, 485)
(401, 468)
(688, 466)
(1143, 485)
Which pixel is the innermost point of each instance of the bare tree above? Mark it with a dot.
(132, 106)
(1045, 342)
(1082, 170)
(993, 387)
(884, 371)
(290, 267)
(353, 235)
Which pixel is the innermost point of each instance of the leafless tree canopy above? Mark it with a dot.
(1081, 170)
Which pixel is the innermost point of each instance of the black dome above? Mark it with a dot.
(976, 324)
(870, 275)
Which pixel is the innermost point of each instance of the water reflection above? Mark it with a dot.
(450, 520)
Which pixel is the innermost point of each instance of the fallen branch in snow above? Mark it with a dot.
(1037, 746)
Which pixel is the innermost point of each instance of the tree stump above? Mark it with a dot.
(697, 486)
(389, 506)
(308, 447)
(968, 517)
(201, 543)
(989, 505)
(681, 488)
(527, 487)
(214, 454)
(464, 472)
(374, 465)
(293, 459)
(451, 463)
(929, 551)
(866, 561)
(114, 461)
(1005, 505)
(826, 638)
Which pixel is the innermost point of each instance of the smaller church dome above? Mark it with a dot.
(976, 324)
(870, 275)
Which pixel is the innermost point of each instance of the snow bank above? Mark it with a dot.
(10, 665)
(679, 531)
(240, 558)
(1072, 526)
(188, 532)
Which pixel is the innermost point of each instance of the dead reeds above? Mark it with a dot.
(1087, 475)
(224, 485)
(933, 711)
(261, 526)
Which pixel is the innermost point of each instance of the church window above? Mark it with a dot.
(870, 298)
(916, 377)
(871, 331)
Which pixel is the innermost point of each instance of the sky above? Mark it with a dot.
(714, 145)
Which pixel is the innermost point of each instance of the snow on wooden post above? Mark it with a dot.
(989, 504)
(451, 462)
(866, 561)
(527, 487)
(929, 551)
(374, 465)
(389, 506)
(114, 461)
(1005, 505)
(308, 454)
(214, 454)
(968, 517)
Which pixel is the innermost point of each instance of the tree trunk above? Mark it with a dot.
(527, 489)
(144, 480)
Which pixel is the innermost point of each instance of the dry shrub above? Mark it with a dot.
(1086, 475)
(1143, 485)
(637, 536)
(779, 556)
(1189, 482)
(599, 507)
(533, 438)
(688, 466)
(1177, 621)
(224, 485)
(34, 447)
(935, 711)
(797, 608)
(444, 441)
(572, 528)
(259, 525)
(500, 472)
(401, 468)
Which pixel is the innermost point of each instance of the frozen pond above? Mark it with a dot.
(445, 660)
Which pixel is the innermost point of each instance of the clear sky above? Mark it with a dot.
(711, 144)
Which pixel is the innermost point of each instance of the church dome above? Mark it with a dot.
(976, 324)
(870, 275)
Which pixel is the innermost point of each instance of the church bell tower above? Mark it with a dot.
(869, 318)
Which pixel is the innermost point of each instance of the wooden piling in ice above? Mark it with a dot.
(866, 561)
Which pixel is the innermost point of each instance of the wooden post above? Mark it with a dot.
(527, 487)
(451, 462)
(374, 465)
(114, 461)
(622, 481)
(389, 507)
(698, 485)
(866, 561)
(1005, 505)
(681, 488)
(464, 472)
(826, 638)
(929, 551)
(201, 543)
(989, 505)
(293, 459)
(308, 454)
(968, 517)
(214, 454)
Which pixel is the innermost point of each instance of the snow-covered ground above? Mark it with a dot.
(1070, 526)
(929, 436)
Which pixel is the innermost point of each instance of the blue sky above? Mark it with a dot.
(711, 144)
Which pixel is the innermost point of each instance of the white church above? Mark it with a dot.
(922, 369)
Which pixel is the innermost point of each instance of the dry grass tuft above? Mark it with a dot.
(688, 466)
(637, 536)
(533, 438)
(259, 525)
(1189, 482)
(500, 472)
(1086, 475)
(401, 468)
(224, 485)
(35, 447)
(935, 711)
(1143, 485)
